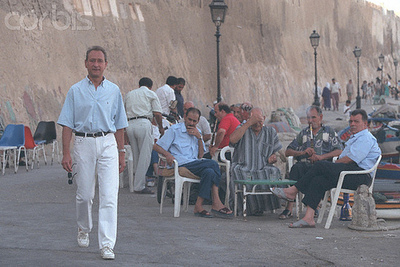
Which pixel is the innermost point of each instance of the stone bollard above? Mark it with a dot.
(364, 213)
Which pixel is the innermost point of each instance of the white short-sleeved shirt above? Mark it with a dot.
(142, 102)
(165, 94)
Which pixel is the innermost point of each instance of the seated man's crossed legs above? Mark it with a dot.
(209, 172)
(320, 178)
(296, 173)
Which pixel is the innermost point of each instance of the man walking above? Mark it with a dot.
(336, 92)
(94, 111)
(141, 105)
(349, 90)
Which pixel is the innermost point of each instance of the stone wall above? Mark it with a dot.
(266, 56)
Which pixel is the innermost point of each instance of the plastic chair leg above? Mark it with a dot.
(235, 201)
(332, 209)
(228, 181)
(178, 197)
(163, 193)
(323, 207)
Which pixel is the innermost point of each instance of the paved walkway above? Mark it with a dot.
(38, 228)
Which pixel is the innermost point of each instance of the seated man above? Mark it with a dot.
(203, 125)
(255, 147)
(360, 153)
(227, 124)
(314, 143)
(184, 142)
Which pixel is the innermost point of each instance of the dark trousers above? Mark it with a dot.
(299, 169)
(324, 176)
(208, 171)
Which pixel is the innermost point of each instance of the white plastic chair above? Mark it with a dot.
(182, 185)
(336, 191)
(227, 164)
(299, 196)
(129, 165)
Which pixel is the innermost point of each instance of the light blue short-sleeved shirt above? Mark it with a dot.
(88, 110)
(180, 144)
(363, 149)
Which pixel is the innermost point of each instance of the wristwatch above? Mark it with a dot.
(201, 138)
(122, 150)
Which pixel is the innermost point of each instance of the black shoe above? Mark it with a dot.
(145, 191)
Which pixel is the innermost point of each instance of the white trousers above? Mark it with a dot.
(141, 141)
(91, 155)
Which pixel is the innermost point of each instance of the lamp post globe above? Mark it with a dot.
(218, 10)
(357, 54)
(314, 39)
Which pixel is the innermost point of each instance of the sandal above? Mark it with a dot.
(222, 213)
(301, 224)
(204, 214)
(286, 214)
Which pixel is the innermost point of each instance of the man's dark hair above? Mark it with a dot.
(224, 107)
(96, 48)
(194, 110)
(146, 82)
(362, 112)
(317, 109)
(172, 80)
(181, 81)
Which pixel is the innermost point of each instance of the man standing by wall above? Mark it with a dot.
(166, 93)
(141, 105)
(94, 111)
(179, 97)
(336, 92)
(349, 90)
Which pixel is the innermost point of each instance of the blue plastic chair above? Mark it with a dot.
(13, 139)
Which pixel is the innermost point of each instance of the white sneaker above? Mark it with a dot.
(107, 253)
(83, 239)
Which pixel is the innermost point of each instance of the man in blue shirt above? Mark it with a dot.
(361, 153)
(184, 142)
(94, 111)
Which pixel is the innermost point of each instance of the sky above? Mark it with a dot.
(388, 4)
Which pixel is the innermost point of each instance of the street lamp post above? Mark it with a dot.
(357, 54)
(381, 60)
(395, 62)
(218, 11)
(314, 39)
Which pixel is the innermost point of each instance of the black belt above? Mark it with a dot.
(139, 117)
(98, 134)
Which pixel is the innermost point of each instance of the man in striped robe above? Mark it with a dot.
(255, 147)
